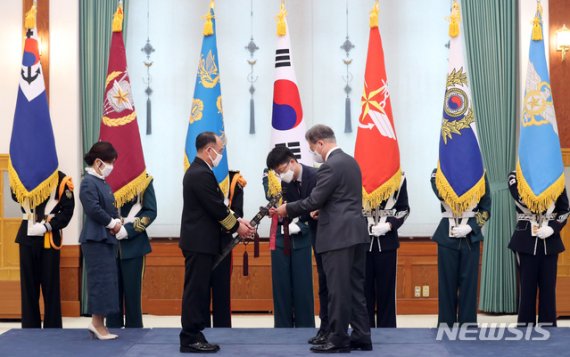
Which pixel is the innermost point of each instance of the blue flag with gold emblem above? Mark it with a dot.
(33, 159)
(207, 113)
(540, 170)
(460, 175)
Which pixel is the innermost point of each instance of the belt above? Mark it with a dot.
(534, 217)
(27, 217)
(464, 215)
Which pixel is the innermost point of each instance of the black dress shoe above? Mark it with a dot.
(329, 347)
(200, 347)
(360, 346)
(320, 339)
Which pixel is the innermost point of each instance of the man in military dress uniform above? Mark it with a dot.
(137, 215)
(204, 217)
(40, 240)
(221, 276)
(382, 257)
(291, 265)
(458, 251)
(537, 243)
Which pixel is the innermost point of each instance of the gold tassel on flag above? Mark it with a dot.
(118, 18)
(209, 25)
(273, 184)
(454, 19)
(374, 15)
(281, 26)
(537, 23)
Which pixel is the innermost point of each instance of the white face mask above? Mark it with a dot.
(105, 169)
(317, 157)
(287, 177)
(217, 160)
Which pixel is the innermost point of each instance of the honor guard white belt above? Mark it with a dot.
(534, 217)
(469, 214)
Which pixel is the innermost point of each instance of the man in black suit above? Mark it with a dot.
(204, 219)
(342, 239)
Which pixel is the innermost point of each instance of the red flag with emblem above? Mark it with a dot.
(119, 124)
(376, 149)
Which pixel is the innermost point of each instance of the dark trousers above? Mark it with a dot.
(292, 277)
(537, 273)
(130, 294)
(381, 286)
(196, 297)
(458, 273)
(39, 269)
(220, 284)
(323, 295)
(345, 270)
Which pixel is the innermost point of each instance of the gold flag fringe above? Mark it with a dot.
(538, 204)
(374, 15)
(131, 190)
(118, 18)
(458, 204)
(208, 24)
(273, 184)
(30, 18)
(454, 19)
(375, 198)
(36, 196)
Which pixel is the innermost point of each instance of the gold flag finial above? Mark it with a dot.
(374, 14)
(208, 24)
(454, 19)
(281, 26)
(118, 18)
(30, 18)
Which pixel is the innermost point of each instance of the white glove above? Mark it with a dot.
(544, 232)
(462, 230)
(293, 229)
(37, 229)
(381, 229)
(113, 223)
(122, 234)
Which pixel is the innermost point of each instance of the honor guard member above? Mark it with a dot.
(221, 276)
(537, 243)
(137, 215)
(205, 217)
(381, 259)
(40, 240)
(291, 265)
(458, 250)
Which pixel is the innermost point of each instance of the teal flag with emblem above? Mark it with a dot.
(540, 170)
(460, 175)
(206, 113)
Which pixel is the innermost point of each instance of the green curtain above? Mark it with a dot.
(95, 19)
(491, 41)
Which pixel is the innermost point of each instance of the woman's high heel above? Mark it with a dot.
(98, 336)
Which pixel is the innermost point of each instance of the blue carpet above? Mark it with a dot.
(268, 342)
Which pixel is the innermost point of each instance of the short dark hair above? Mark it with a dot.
(205, 138)
(102, 150)
(279, 156)
(319, 132)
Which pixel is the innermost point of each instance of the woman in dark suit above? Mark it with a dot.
(101, 229)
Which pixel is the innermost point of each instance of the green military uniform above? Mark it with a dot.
(291, 268)
(130, 261)
(458, 263)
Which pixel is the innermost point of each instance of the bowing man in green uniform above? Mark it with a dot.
(291, 265)
(137, 215)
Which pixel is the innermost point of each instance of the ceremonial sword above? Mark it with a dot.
(263, 211)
